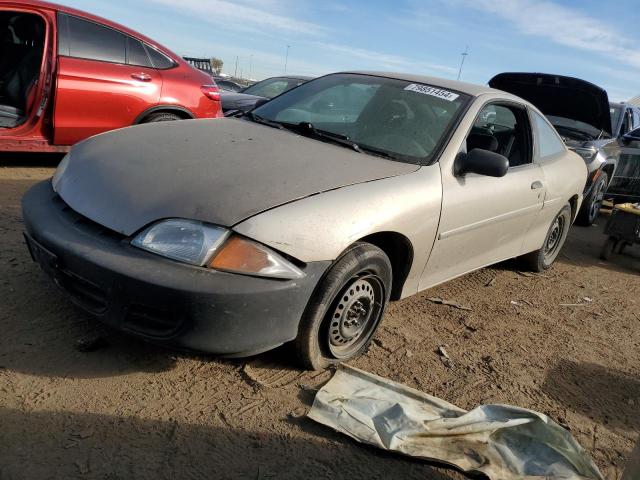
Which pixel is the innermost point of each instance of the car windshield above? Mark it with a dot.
(575, 129)
(403, 120)
(616, 113)
(272, 87)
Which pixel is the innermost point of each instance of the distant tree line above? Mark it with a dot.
(216, 65)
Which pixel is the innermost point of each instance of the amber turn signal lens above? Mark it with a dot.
(240, 255)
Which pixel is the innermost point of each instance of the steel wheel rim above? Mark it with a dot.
(598, 198)
(554, 239)
(355, 315)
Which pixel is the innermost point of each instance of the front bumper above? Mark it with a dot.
(156, 298)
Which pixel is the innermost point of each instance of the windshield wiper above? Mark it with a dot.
(258, 119)
(307, 129)
(379, 153)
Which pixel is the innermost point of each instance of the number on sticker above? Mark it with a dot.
(433, 91)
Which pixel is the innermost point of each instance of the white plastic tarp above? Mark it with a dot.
(501, 441)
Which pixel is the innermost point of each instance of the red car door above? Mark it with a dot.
(105, 80)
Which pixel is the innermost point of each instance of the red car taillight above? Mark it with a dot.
(211, 91)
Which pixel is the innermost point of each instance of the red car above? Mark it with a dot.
(66, 75)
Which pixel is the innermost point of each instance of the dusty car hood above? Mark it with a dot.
(559, 96)
(219, 171)
(238, 101)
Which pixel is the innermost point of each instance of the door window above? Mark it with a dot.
(93, 41)
(549, 143)
(626, 123)
(502, 129)
(636, 118)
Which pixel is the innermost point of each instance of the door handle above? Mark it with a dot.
(536, 185)
(143, 77)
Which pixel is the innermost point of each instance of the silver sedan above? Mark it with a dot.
(300, 220)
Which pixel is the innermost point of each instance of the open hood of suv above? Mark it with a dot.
(559, 96)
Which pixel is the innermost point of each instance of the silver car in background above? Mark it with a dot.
(299, 221)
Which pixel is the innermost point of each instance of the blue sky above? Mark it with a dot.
(595, 40)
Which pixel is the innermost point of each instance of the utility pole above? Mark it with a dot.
(286, 59)
(235, 74)
(464, 55)
(250, 66)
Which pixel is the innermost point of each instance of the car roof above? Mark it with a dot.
(464, 87)
(81, 13)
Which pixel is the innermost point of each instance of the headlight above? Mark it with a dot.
(62, 166)
(197, 243)
(187, 241)
(587, 153)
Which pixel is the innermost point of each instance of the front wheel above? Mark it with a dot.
(346, 308)
(542, 259)
(593, 203)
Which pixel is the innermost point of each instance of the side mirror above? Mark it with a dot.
(482, 162)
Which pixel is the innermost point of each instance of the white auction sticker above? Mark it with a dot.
(433, 91)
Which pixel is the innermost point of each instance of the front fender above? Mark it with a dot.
(320, 227)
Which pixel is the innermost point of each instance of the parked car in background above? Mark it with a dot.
(66, 75)
(246, 99)
(316, 209)
(226, 85)
(580, 111)
(625, 186)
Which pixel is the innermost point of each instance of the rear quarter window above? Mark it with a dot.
(137, 54)
(158, 59)
(548, 141)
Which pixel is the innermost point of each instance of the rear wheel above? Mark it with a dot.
(542, 259)
(346, 308)
(593, 203)
(162, 117)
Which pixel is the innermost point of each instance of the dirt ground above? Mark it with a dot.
(133, 410)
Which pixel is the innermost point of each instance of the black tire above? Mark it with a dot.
(355, 289)
(162, 117)
(608, 248)
(593, 202)
(540, 260)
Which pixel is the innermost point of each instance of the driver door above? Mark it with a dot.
(484, 219)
